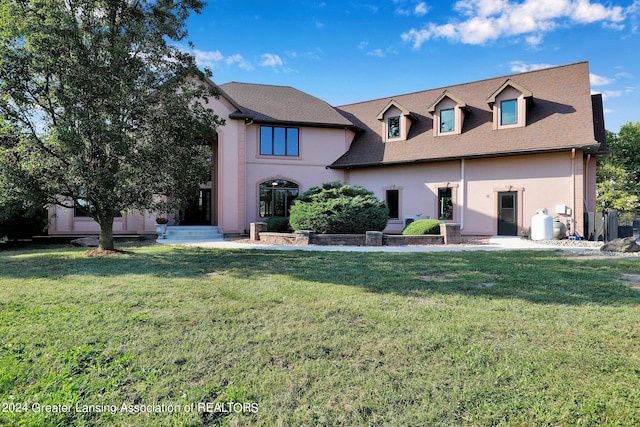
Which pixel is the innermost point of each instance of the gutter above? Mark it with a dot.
(586, 147)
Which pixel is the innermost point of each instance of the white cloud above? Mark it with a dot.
(597, 80)
(421, 9)
(587, 12)
(271, 60)
(522, 67)
(484, 21)
(363, 44)
(534, 40)
(214, 58)
(623, 75)
(207, 58)
(240, 61)
(313, 54)
(377, 52)
(611, 94)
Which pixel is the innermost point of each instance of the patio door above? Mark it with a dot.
(198, 212)
(508, 213)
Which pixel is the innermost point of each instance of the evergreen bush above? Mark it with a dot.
(277, 224)
(338, 208)
(422, 226)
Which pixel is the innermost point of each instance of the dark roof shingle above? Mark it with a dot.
(559, 117)
(282, 105)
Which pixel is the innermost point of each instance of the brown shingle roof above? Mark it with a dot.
(559, 117)
(282, 105)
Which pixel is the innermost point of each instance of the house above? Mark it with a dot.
(485, 154)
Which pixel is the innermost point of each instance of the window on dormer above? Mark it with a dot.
(393, 127)
(509, 112)
(447, 120)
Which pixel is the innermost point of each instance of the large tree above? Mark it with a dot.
(109, 110)
(619, 173)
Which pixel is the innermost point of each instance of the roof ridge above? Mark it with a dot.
(506, 76)
(259, 84)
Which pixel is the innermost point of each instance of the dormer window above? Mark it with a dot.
(509, 104)
(393, 127)
(448, 113)
(509, 112)
(447, 120)
(396, 122)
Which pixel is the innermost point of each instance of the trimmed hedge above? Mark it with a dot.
(277, 224)
(422, 226)
(338, 208)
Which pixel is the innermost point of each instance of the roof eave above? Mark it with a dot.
(589, 148)
(285, 123)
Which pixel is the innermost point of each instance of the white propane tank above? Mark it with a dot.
(542, 225)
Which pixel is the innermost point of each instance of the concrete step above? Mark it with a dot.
(192, 232)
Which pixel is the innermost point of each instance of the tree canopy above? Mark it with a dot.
(618, 180)
(108, 109)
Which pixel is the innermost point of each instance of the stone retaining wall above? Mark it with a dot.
(425, 239)
(449, 234)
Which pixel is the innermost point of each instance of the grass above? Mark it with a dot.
(306, 339)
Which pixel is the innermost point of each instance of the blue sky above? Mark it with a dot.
(350, 51)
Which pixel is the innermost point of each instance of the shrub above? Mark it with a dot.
(277, 224)
(18, 222)
(338, 208)
(422, 226)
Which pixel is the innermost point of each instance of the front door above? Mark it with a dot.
(508, 213)
(198, 212)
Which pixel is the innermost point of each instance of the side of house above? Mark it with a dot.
(484, 154)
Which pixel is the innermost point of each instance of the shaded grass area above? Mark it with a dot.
(470, 338)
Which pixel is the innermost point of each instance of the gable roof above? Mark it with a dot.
(560, 117)
(282, 105)
(509, 83)
(393, 103)
(446, 94)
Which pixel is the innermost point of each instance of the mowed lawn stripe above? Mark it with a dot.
(317, 338)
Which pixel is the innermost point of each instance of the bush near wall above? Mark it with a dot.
(21, 223)
(338, 208)
(277, 224)
(422, 226)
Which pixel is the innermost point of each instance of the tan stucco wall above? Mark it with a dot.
(318, 148)
(542, 181)
(62, 221)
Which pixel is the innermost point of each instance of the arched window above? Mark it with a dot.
(276, 197)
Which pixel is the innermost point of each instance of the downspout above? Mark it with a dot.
(586, 183)
(244, 162)
(573, 191)
(462, 185)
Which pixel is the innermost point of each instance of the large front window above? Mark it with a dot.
(276, 197)
(279, 141)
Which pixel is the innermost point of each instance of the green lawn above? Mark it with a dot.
(311, 338)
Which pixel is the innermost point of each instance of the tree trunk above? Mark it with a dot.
(106, 232)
